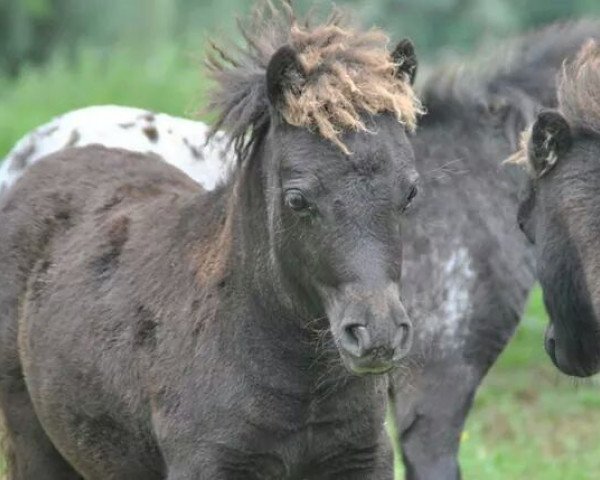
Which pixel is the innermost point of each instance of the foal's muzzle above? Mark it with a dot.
(374, 332)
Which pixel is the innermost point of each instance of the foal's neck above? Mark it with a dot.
(277, 314)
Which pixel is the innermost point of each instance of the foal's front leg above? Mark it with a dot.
(384, 472)
(189, 472)
(197, 460)
(354, 468)
(212, 468)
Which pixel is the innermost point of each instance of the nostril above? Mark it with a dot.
(355, 339)
(403, 340)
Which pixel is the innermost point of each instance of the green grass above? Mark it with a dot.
(169, 82)
(528, 422)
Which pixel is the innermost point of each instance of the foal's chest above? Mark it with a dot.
(324, 438)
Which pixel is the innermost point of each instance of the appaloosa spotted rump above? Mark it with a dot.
(179, 141)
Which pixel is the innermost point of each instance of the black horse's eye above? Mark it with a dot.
(296, 201)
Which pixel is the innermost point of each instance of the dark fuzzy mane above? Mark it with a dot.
(579, 89)
(348, 72)
(522, 70)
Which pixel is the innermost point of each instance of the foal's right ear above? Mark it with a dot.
(284, 74)
(550, 138)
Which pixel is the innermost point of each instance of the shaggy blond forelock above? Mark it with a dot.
(347, 73)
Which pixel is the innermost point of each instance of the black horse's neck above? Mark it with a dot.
(278, 309)
(255, 227)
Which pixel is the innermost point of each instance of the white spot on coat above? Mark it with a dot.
(459, 280)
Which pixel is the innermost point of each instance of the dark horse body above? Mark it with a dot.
(470, 267)
(149, 329)
(168, 379)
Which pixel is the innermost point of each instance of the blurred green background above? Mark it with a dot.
(529, 422)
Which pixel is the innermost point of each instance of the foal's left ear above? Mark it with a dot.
(550, 138)
(406, 60)
(284, 73)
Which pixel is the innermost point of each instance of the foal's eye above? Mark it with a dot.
(412, 193)
(296, 201)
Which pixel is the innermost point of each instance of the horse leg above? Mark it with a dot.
(205, 472)
(381, 472)
(354, 468)
(30, 454)
(430, 426)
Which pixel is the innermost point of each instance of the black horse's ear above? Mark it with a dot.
(284, 73)
(550, 138)
(406, 60)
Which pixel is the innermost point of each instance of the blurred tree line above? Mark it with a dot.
(32, 30)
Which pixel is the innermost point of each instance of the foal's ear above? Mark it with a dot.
(284, 73)
(550, 138)
(406, 60)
